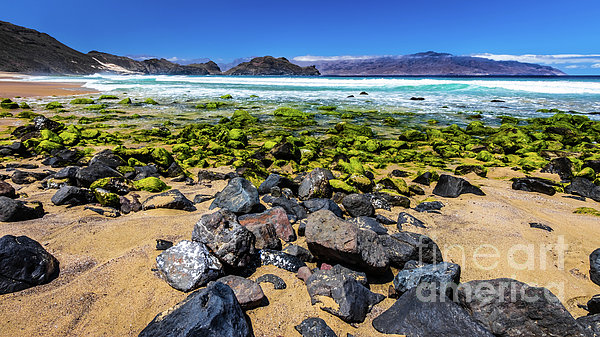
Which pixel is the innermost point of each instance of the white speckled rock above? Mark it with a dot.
(188, 265)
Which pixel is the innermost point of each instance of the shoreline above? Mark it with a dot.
(18, 88)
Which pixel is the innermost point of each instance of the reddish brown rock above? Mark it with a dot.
(304, 273)
(247, 292)
(275, 216)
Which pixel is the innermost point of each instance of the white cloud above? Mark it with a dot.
(574, 66)
(312, 58)
(544, 59)
(596, 65)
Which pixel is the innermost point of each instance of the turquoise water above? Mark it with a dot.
(444, 97)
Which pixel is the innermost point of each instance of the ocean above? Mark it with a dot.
(445, 98)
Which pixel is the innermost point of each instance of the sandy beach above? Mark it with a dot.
(11, 87)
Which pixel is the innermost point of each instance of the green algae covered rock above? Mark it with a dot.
(361, 182)
(53, 105)
(109, 97)
(243, 118)
(532, 161)
(8, 104)
(106, 198)
(82, 101)
(51, 136)
(69, 138)
(89, 133)
(484, 156)
(96, 107)
(228, 96)
(238, 135)
(341, 186)
(125, 101)
(162, 157)
(151, 184)
(349, 129)
(354, 166)
(587, 173)
(47, 146)
(24, 105)
(150, 101)
(587, 210)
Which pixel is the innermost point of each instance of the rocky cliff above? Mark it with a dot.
(269, 65)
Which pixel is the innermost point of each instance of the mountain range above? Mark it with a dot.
(28, 51)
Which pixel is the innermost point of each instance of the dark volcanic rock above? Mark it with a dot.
(451, 187)
(384, 220)
(533, 184)
(24, 263)
(429, 206)
(280, 260)
(87, 175)
(290, 206)
(274, 180)
(239, 196)
(405, 219)
(188, 265)
(403, 247)
(163, 244)
(379, 202)
(277, 282)
(540, 226)
(18, 210)
(69, 172)
(393, 199)
(358, 205)
(170, 199)
(591, 323)
(302, 253)
(353, 299)
(585, 188)
(561, 166)
(423, 315)
(71, 195)
(314, 327)
(247, 292)
(221, 232)
(593, 305)
(269, 65)
(107, 158)
(595, 266)
(594, 164)
(276, 217)
(206, 175)
(213, 311)
(511, 308)
(424, 179)
(27, 177)
(313, 205)
(316, 185)
(462, 170)
(365, 222)
(442, 277)
(6, 190)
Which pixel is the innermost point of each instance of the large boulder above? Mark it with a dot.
(585, 188)
(591, 323)
(595, 266)
(87, 175)
(170, 199)
(247, 292)
(239, 196)
(18, 210)
(291, 206)
(188, 265)
(24, 263)
(443, 277)
(507, 307)
(314, 327)
(107, 158)
(221, 232)
(451, 187)
(7, 190)
(358, 205)
(316, 185)
(406, 246)
(71, 195)
(369, 223)
(534, 184)
(275, 180)
(353, 300)
(213, 311)
(425, 314)
(276, 217)
(313, 205)
(561, 166)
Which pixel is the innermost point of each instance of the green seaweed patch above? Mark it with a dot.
(587, 211)
(150, 101)
(327, 108)
(82, 101)
(96, 107)
(106, 198)
(125, 101)
(54, 105)
(108, 97)
(151, 184)
(24, 105)
(228, 96)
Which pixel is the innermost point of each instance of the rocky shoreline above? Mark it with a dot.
(346, 215)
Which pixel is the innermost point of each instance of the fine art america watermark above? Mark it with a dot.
(487, 257)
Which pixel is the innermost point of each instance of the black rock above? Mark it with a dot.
(533, 184)
(424, 315)
(274, 180)
(462, 170)
(451, 187)
(71, 195)
(107, 158)
(379, 202)
(43, 123)
(594, 164)
(229, 241)
(6, 190)
(591, 323)
(497, 101)
(540, 226)
(363, 93)
(188, 265)
(290, 206)
(302, 253)
(417, 98)
(206, 175)
(18, 210)
(399, 173)
(213, 311)
(595, 266)
(62, 158)
(27, 177)
(369, 223)
(585, 188)
(416, 189)
(175, 170)
(358, 205)
(316, 185)
(314, 327)
(280, 260)
(87, 175)
(286, 151)
(405, 219)
(69, 172)
(393, 199)
(593, 305)
(170, 199)
(507, 307)
(277, 281)
(353, 299)
(239, 196)
(442, 277)
(384, 220)
(147, 171)
(313, 205)
(424, 179)
(561, 166)
(200, 198)
(163, 244)
(429, 206)
(24, 263)
(403, 247)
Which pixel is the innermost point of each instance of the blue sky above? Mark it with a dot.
(224, 30)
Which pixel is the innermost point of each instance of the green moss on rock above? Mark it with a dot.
(587, 210)
(82, 101)
(151, 184)
(341, 186)
(54, 105)
(150, 101)
(106, 198)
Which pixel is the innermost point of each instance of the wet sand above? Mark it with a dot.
(11, 86)
(107, 286)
